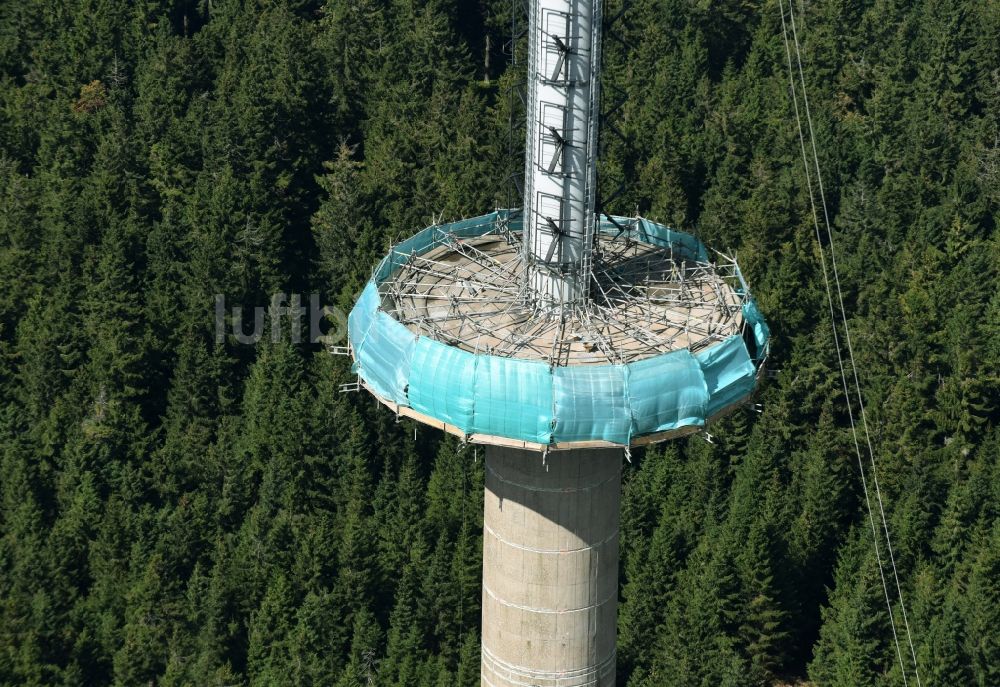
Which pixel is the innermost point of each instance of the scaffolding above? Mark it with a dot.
(449, 332)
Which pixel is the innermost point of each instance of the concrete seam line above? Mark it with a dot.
(486, 681)
(537, 679)
(498, 666)
(548, 611)
(555, 490)
(487, 528)
(490, 657)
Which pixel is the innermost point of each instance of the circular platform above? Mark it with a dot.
(447, 332)
(645, 300)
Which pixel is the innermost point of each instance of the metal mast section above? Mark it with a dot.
(564, 56)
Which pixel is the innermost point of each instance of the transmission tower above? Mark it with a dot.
(560, 339)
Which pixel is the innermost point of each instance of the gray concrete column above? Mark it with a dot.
(550, 568)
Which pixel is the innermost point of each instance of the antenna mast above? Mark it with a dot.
(564, 56)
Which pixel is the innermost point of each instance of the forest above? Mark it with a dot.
(180, 508)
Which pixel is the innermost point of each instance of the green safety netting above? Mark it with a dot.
(530, 401)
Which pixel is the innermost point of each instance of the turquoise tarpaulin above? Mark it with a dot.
(729, 373)
(513, 398)
(591, 402)
(761, 332)
(440, 382)
(666, 392)
(530, 401)
(385, 357)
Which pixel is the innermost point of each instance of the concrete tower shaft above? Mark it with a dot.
(550, 567)
(564, 55)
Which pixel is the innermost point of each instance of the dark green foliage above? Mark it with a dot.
(178, 509)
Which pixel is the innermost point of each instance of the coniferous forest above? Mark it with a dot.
(180, 507)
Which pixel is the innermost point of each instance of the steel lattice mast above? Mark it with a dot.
(564, 56)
